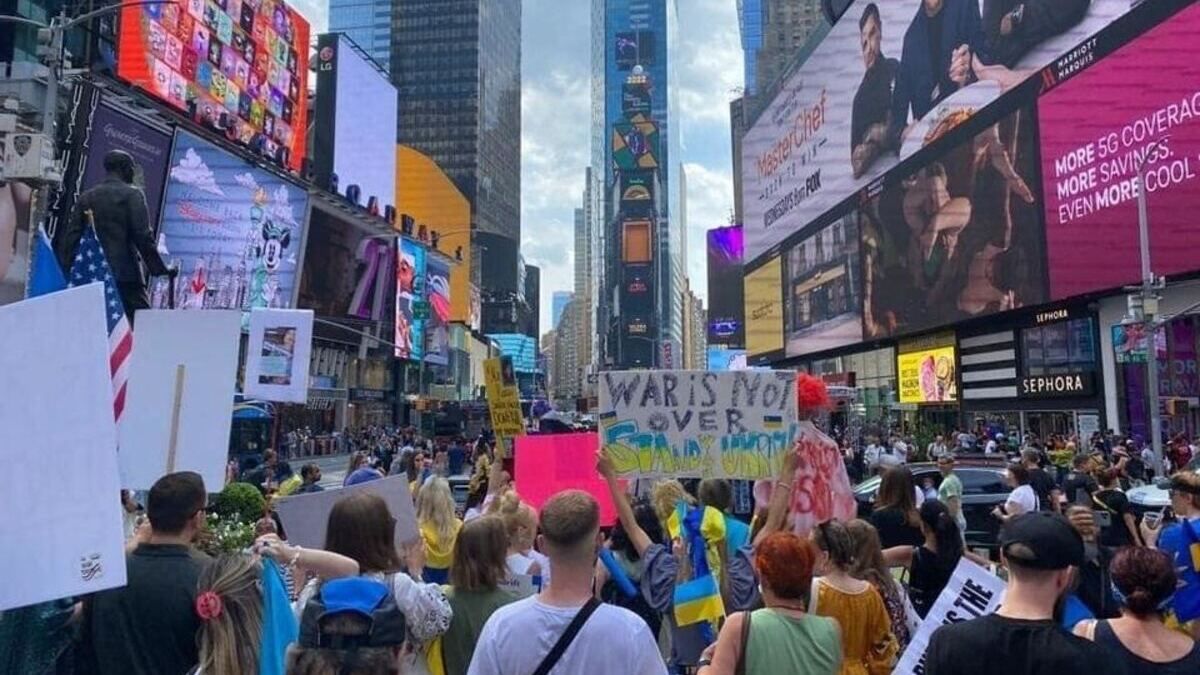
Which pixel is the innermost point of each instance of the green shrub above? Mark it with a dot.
(242, 501)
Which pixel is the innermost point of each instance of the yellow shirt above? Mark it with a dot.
(868, 644)
(439, 553)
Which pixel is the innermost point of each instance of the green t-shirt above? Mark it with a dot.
(950, 488)
(471, 610)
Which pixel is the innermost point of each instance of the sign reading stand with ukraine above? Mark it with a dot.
(698, 424)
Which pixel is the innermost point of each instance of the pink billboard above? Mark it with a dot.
(1141, 103)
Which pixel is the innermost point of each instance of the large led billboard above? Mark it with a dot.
(889, 79)
(960, 237)
(823, 289)
(726, 297)
(1139, 105)
(355, 115)
(764, 311)
(237, 66)
(437, 284)
(234, 231)
(348, 271)
(410, 298)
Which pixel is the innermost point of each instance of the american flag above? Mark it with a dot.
(89, 267)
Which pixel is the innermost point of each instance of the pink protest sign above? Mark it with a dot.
(821, 488)
(548, 464)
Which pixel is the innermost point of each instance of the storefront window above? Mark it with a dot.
(1060, 348)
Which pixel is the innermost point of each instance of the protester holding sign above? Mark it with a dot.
(930, 564)
(1022, 636)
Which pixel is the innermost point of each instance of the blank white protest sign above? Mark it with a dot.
(205, 344)
(60, 509)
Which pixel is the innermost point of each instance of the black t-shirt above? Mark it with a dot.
(873, 99)
(895, 530)
(1042, 484)
(1079, 481)
(927, 579)
(936, 24)
(999, 645)
(1116, 504)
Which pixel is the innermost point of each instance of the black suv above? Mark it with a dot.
(984, 488)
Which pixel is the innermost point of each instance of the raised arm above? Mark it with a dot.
(325, 564)
(781, 496)
(639, 538)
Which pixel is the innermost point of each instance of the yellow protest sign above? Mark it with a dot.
(504, 401)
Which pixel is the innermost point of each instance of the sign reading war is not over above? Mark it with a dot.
(698, 424)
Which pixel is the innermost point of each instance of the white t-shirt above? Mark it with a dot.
(518, 636)
(1023, 496)
(519, 563)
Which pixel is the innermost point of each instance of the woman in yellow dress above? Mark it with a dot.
(439, 528)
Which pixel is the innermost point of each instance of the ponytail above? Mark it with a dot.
(936, 517)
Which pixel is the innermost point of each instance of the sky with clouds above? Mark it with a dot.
(556, 124)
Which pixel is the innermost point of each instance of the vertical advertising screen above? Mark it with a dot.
(234, 231)
(1138, 106)
(237, 66)
(726, 296)
(764, 310)
(823, 294)
(410, 300)
(437, 327)
(960, 238)
(348, 272)
(889, 79)
(356, 110)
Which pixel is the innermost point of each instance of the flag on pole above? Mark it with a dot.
(46, 276)
(89, 267)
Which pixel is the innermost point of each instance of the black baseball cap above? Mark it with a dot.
(1051, 542)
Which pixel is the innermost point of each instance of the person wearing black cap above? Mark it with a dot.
(123, 227)
(1040, 549)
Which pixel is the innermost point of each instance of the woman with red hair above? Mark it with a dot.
(782, 637)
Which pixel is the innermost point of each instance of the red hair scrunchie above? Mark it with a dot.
(208, 605)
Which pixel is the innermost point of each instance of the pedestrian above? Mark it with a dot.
(1040, 481)
(1145, 581)
(1110, 500)
(594, 638)
(362, 528)
(869, 565)
(1094, 585)
(1039, 549)
(1022, 499)
(937, 448)
(521, 523)
(149, 626)
(895, 513)
(950, 491)
(781, 637)
(360, 470)
(675, 506)
(931, 564)
(632, 565)
(1181, 540)
(1079, 484)
(717, 493)
(475, 594)
(868, 645)
(354, 628)
(310, 475)
(439, 528)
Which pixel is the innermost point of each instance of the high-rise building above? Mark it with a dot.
(737, 129)
(635, 157)
(568, 371)
(587, 283)
(457, 66)
(368, 23)
(533, 299)
(750, 25)
(786, 25)
(695, 339)
(559, 299)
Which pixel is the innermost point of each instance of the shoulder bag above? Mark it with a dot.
(568, 636)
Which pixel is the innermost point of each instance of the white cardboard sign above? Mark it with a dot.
(182, 381)
(305, 517)
(278, 355)
(59, 490)
(972, 592)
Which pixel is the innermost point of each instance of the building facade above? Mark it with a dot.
(559, 299)
(786, 25)
(457, 66)
(636, 151)
(368, 23)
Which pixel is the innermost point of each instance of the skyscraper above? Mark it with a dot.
(368, 23)
(786, 25)
(750, 24)
(457, 66)
(635, 157)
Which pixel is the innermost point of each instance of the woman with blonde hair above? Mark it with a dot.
(672, 503)
(439, 527)
(520, 523)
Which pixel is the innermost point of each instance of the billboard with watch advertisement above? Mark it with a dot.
(927, 374)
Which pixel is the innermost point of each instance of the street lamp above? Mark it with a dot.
(1149, 301)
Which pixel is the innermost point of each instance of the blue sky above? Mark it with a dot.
(556, 68)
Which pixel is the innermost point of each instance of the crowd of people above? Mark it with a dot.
(677, 585)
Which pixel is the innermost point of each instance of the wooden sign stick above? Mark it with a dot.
(173, 443)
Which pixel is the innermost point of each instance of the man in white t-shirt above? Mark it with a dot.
(518, 637)
(900, 449)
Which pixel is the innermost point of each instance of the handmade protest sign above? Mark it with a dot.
(972, 592)
(305, 517)
(182, 381)
(549, 464)
(504, 400)
(62, 533)
(278, 355)
(698, 424)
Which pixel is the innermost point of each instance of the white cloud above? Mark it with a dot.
(709, 61)
(709, 202)
(192, 170)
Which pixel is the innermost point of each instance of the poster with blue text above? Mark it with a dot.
(698, 424)
(234, 231)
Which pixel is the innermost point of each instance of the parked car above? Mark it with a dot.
(1152, 497)
(984, 488)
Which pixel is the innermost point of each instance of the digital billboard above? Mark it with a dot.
(960, 237)
(889, 79)
(721, 359)
(635, 145)
(356, 110)
(726, 296)
(927, 376)
(234, 230)
(150, 149)
(764, 310)
(410, 298)
(437, 285)
(237, 66)
(348, 271)
(1137, 106)
(823, 290)
(635, 48)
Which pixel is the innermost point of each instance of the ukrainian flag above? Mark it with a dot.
(698, 600)
(773, 421)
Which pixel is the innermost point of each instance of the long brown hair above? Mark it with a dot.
(229, 642)
(480, 555)
(361, 527)
(896, 491)
(869, 565)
